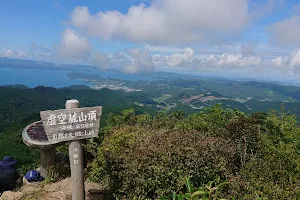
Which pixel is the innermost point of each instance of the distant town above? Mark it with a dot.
(112, 85)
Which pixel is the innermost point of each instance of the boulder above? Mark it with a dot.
(53, 191)
(9, 195)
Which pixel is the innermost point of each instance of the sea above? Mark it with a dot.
(33, 78)
(53, 78)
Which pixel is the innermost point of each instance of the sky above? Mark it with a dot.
(241, 38)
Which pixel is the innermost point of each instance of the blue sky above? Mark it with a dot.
(42, 22)
(134, 36)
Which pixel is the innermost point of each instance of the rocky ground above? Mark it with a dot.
(53, 191)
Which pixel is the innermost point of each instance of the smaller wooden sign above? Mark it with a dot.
(72, 124)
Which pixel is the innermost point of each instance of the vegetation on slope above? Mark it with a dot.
(144, 158)
(20, 106)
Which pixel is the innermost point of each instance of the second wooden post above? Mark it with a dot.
(76, 161)
(47, 161)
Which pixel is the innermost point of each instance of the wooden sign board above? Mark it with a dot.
(74, 124)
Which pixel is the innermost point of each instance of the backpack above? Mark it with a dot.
(33, 176)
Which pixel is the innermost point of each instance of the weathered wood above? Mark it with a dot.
(76, 162)
(36, 144)
(56, 126)
(47, 160)
(71, 124)
(47, 150)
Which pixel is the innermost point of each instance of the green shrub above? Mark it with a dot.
(274, 173)
(139, 160)
(140, 163)
(145, 158)
(209, 191)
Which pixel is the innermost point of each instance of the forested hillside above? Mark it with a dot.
(165, 99)
(174, 157)
(192, 94)
(20, 106)
(17, 104)
(145, 152)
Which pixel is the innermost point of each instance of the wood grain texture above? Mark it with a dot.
(47, 161)
(76, 160)
(71, 124)
(77, 170)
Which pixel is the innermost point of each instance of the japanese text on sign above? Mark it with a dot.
(68, 135)
(62, 118)
(77, 123)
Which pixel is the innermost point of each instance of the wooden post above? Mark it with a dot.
(76, 161)
(47, 157)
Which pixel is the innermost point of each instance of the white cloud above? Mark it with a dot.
(212, 58)
(295, 58)
(239, 60)
(279, 61)
(288, 64)
(247, 49)
(131, 69)
(180, 59)
(259, 10)
(101, 60)
(40, 52)
(163, 48)
(39, 48)
(73, 46)
(248, 61)
(13, 54)
(165, 20)
(141, 61)
(230, 60)
(119, 60)
(159, 60)
(187, 59)
(287, 31)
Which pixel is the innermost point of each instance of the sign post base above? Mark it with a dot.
(77, 170)
(47, 161)
(76, 161)
(72, 125)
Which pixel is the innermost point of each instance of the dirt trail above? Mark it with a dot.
(60, 190)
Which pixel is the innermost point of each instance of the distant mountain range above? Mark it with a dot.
(114, 73)
(41, 65)
(167, 91)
